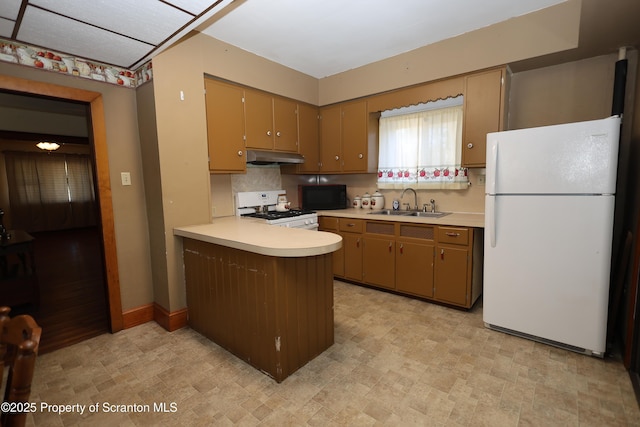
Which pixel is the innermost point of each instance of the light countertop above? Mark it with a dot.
(461, 219)
(253, 235)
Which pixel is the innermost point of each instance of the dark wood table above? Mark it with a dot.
(18, 280)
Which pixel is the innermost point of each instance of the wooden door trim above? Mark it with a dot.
(98, 131)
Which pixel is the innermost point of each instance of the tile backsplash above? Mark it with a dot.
(257, 178)
(470, 199)
(269, 177)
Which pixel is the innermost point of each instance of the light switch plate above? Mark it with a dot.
(126, 178)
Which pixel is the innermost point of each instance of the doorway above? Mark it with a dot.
(97, 135)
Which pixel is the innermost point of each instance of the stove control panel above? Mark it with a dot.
(247, 201)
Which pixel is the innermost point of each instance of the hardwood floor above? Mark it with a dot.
(73, 301)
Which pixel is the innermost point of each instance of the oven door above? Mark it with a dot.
(299, 223)
(313, 226)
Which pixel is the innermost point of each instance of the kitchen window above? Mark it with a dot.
(421, 146)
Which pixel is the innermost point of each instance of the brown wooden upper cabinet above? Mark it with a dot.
(225, 127)
(308, 138)
(345, 138)
(271, 122)
(484, 112)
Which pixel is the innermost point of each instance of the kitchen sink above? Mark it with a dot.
(428, 214)
(389, 212)
(411, 213)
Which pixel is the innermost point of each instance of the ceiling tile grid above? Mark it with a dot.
(66, 35)
(9, 9)
(195, 7)
(125, 18)
(117, 32)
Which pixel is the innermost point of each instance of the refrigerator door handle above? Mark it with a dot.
(494, 162)
(490, 212)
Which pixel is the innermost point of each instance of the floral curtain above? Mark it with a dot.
(422, 149)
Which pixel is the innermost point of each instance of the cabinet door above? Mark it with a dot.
(379, 262)
(352, 244)
(308, 138)
(450, 279)
(225, 127)
(483, 106)
(330, 154)
(354, 136)
(285, 122)
(331, 225)
(258, 109)
(414, 268)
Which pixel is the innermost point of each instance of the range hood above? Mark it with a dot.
(263, 157)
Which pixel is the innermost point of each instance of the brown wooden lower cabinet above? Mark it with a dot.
(274, 313)
(435, 262)
(379, 262)
(414, 268)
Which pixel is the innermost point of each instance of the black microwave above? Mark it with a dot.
(322, 197)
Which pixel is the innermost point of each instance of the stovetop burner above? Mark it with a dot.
(271, 215)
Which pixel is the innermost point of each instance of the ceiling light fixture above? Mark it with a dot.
(48, 146)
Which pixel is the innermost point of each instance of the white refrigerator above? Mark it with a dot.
(549, 206)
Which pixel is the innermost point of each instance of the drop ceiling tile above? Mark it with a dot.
(52, 31)
(6, 27)
(194, 6)
(9, 9)
(151, 21)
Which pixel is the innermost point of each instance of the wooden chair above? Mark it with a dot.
(19, 341)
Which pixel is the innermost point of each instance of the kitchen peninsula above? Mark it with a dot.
(264, 293)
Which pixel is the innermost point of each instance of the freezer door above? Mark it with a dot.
(547, 272)
(574, 158)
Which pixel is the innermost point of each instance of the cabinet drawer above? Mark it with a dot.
(417, 231)
(386, 228)
(328, 223)
(351, 225)
(453, 235)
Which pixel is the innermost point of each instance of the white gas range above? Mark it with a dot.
(263, 204)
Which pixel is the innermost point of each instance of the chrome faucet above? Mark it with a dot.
(415, 197)
(429, 207)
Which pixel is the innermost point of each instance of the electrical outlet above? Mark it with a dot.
(126, 178)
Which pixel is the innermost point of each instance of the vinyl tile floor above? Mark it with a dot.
(396, 361)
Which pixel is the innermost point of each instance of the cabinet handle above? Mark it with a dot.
(240, 153)
(337, 157)
(401, 249)
(450, 234)
(390, 246)
(470, 145)
(268, 133)
(360, 156)
(351, 224)
(358, 243)
(442, 254)
(278, 133)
